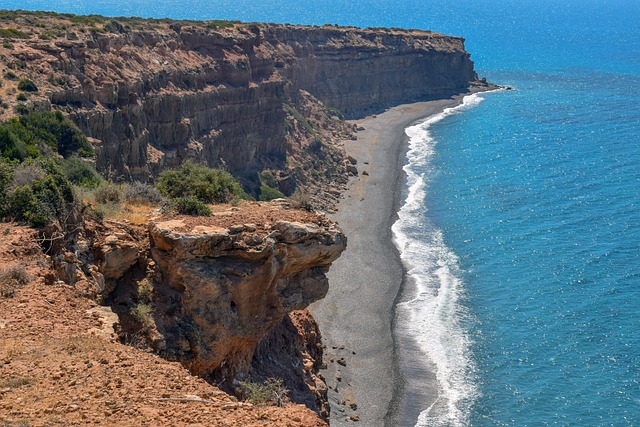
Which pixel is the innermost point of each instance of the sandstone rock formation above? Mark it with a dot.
(223, 294)
(221, 291)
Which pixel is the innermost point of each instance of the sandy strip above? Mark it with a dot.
(356, 316)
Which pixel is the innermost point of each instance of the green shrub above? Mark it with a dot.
(142, 194)
(12, 33)
(201, 183)
(27, 85)
(21, 96)
(26, 206)
(13, 148)
(22, 109)
(268, 188)
(143, 313)
(145, 291)
(7, 45)
(6, 176)
(40, 129)
(81, 173)
(107, 192)
(190, 206)
(267, 193)
(268, 178)
(39, 192)
(11, 75)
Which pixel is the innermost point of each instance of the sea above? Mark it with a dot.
(520, 228)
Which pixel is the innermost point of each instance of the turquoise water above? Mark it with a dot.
(522, 224)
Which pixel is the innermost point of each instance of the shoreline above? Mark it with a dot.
(357, 316)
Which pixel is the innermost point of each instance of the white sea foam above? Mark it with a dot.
(434, 315)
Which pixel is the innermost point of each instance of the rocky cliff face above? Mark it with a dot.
(61, 363)
(223, 294)
(222, 291)
(153, 94)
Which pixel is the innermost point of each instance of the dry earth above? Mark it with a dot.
(60, 363)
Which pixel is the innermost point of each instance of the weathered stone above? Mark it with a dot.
(117, 258)
(247, 100)
(225, 299)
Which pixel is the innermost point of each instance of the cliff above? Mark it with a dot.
(245, 96)
(221, 288)
(223, 295)
(62, 364)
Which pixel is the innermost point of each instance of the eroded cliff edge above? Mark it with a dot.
(61, 361)
(248, 97)
(227, 292)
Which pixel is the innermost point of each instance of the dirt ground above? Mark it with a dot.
(60, 363)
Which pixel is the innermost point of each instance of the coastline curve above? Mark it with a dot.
(357, 314)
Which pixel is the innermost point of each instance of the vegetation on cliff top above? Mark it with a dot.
(38, 134)
(200, 183)
(33, 184)
(97, 22)
(43, 156)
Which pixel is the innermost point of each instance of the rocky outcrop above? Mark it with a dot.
(221, 291)
(152, 95)
(224, 295)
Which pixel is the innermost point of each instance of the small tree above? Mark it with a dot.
(27, 85)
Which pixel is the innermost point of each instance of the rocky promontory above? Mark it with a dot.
(224, 296)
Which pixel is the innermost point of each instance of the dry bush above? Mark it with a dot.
(26, 174)
(14, 382)
(142, 194)
(11, 279)
(143, 313)
(272, 391)
(300, 200)
(107, 193)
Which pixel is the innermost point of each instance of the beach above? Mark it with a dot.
(356, 317)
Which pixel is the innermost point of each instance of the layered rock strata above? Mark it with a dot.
(152, 95)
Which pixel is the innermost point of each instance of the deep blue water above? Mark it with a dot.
(522, 226)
